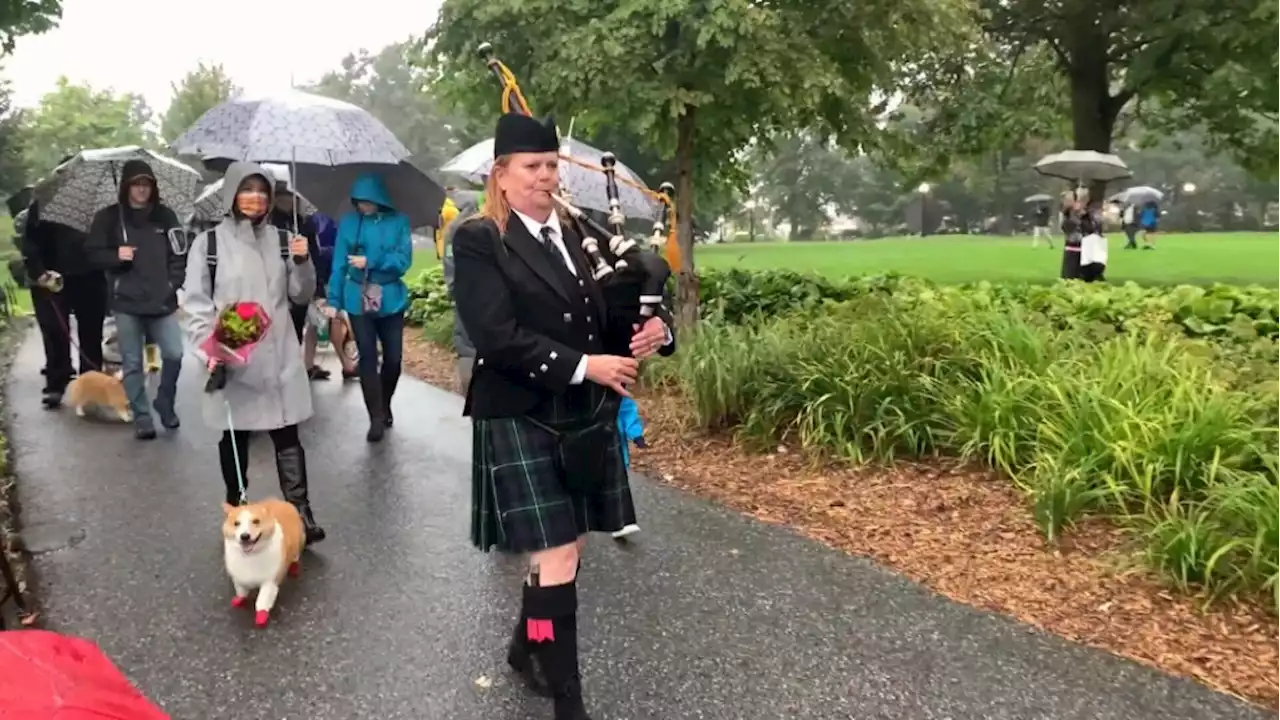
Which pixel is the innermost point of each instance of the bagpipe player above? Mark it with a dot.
(550, 372)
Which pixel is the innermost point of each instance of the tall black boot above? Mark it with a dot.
(520, 654)
(291, 463)
(371, 387)
(389, 383)
(551, 626)
(521, 658)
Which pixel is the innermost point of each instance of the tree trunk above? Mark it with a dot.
(1093, 110)
(686, 280)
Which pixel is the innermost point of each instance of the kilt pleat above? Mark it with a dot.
(519, 501)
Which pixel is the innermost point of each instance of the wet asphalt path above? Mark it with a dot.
(707, 614)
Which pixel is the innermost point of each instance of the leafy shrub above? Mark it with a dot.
(1145, 427)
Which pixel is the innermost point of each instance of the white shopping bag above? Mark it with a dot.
(1093, 250)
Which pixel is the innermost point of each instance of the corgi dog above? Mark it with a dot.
(99, 390)
(263, 543)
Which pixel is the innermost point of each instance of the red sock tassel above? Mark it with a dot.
(540, 630)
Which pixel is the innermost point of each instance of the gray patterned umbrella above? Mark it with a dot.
(89, 181)
(586, 186)
(291, 126)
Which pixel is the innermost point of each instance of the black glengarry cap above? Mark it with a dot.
(518, 133)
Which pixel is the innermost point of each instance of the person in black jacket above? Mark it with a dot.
(552, 363)
(130, 240)
(64, 282)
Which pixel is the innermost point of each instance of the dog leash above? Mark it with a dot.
(235, 453)
(66, 328)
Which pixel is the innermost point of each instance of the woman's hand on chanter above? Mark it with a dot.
(357, 261)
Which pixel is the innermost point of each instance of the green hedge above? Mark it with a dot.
(1153, 406)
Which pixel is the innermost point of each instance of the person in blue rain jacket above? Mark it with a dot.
(372, 253)
(630, 430)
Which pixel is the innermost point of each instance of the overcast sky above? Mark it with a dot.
(138, 46)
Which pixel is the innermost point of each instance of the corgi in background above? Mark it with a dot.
(262, 543)
(99, 390)
(151, 355)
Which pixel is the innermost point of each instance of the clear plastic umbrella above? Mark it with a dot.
(89, 181)
(585, 185)
(1083, 166)
(1137, 195)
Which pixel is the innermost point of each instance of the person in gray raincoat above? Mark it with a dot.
(246, 259)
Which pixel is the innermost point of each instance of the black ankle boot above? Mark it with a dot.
(291, 463)
(371, 387)
(551, 626)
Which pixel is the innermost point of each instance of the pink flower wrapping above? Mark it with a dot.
(238, 330)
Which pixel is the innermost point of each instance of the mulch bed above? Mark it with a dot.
(963, 533)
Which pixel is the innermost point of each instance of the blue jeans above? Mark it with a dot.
(372, 330)
(164, 331)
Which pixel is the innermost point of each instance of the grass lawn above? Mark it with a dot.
(1196, 258)
(1199, 259)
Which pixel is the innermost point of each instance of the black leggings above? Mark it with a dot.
(283, 438)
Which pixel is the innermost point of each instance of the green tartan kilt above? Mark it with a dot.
(519, 502)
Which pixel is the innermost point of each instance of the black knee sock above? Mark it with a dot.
(551, 630)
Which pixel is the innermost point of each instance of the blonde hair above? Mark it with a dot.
(495, 202)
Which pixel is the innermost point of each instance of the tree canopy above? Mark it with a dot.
(693, 81)
(199, 91)
(398, 94)
(1099, 66)
(26, 17)
(74, 117)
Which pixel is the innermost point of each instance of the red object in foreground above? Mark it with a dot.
(48, 676)
(540, 630)
(260, 618)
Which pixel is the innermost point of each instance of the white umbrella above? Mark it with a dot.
(585, 186)
(291, 126)
(90, 180)
(1038, 198)
(1083, 166)
(1137, 195)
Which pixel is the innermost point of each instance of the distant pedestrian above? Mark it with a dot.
(1149, 219)
(1041, 229)
(1129, 222)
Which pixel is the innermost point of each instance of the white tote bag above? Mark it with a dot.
(1093, 250)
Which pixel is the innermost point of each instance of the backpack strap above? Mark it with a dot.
(211, 259)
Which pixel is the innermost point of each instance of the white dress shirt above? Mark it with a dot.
(557, 238)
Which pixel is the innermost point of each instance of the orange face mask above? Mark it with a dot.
(251, 204)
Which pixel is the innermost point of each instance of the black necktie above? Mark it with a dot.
(556, 258)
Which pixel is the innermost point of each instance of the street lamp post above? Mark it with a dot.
(923, 201)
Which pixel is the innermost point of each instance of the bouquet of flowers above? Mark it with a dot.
(238, 330)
